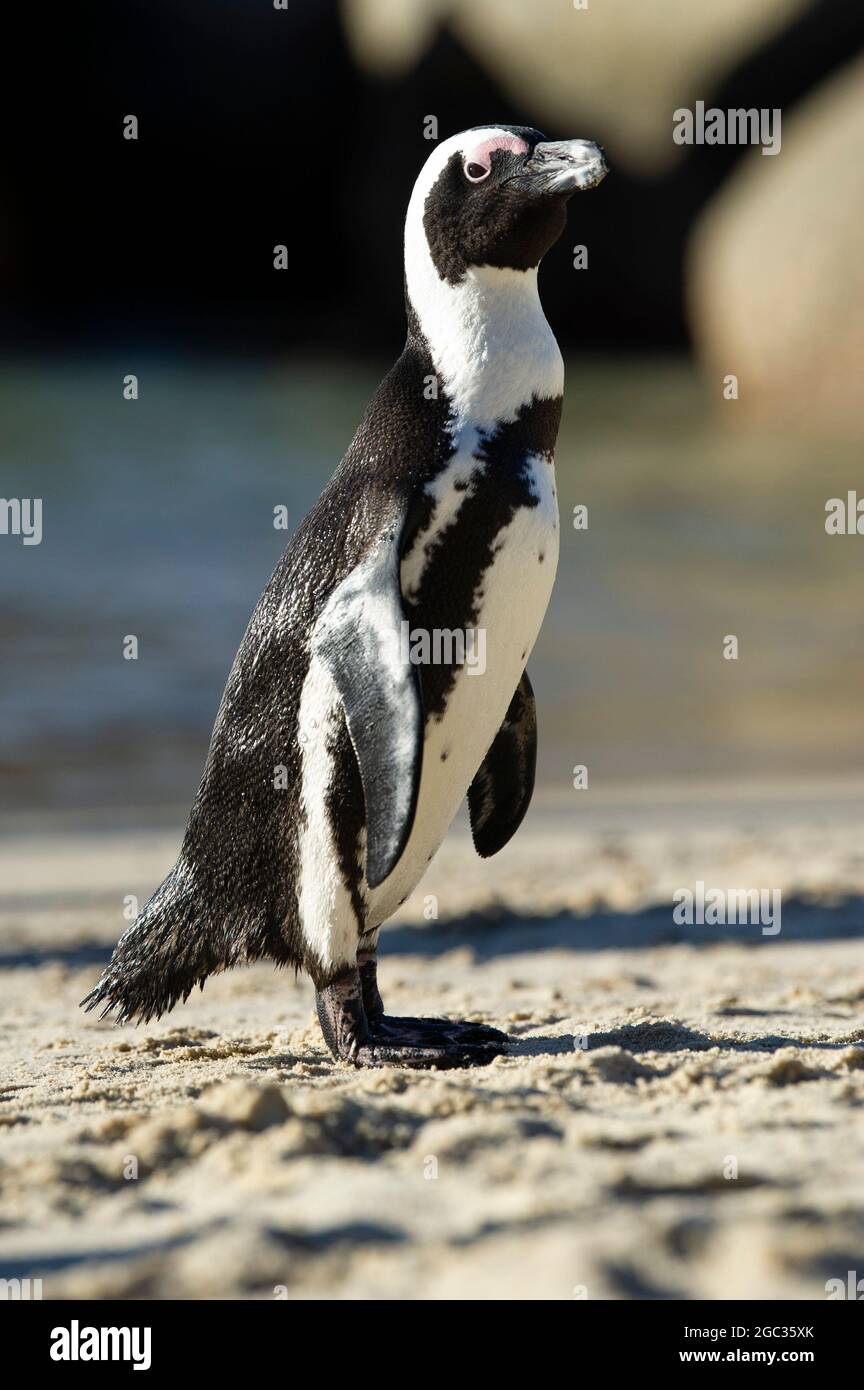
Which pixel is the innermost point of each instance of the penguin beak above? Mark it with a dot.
(563, 166)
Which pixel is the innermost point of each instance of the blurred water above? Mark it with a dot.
(158, 522)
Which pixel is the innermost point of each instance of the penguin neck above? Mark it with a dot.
(488, 338)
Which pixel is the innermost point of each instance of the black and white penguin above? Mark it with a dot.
(442, 518)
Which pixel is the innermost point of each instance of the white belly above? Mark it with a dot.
(516, 590)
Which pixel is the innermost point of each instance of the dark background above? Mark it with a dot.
(257, 128)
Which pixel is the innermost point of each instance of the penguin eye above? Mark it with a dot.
(476, 173)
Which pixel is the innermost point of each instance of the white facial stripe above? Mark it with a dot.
(490, 343)
(463, 144)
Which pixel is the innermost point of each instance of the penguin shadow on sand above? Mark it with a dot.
(503, 933)
(500, 933)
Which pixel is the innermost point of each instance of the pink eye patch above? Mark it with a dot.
(482, 154)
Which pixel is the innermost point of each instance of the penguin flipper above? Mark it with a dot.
(358, 638)
(501, 791)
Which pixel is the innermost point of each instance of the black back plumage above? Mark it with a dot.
(230, 896)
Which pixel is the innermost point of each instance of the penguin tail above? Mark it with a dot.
(168, 950)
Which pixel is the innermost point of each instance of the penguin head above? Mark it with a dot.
(497, 196)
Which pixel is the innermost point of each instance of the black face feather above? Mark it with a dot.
(500, 221)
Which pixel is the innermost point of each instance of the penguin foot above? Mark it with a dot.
(446, 1029)
(432, 1029)
(440, 1056)
(382, 1041)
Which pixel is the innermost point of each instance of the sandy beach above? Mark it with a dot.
(678, 1115)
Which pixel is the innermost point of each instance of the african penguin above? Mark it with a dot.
(441, 520)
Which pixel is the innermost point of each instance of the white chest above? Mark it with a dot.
(511, 600)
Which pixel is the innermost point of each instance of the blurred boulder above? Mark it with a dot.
(775, 273)
(623, 64)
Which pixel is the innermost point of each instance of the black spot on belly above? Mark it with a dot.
(445, 755)
(541, 557)
(417, 521)
(450, 589)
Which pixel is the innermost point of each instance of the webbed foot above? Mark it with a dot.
(384, 1041)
